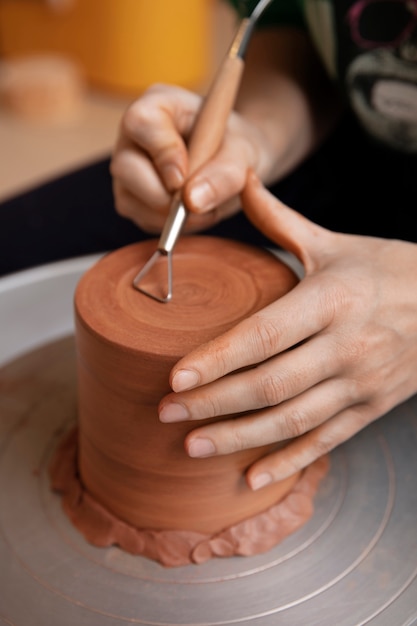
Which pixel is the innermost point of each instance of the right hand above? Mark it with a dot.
(150, 162)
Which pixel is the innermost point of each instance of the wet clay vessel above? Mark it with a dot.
(125, 476)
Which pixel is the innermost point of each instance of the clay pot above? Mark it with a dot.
(130, 462)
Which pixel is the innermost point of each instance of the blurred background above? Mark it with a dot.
(69, 68)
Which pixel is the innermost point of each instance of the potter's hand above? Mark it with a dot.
(150, 162)
(352, 325)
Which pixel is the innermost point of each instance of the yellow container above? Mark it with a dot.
(122, 45)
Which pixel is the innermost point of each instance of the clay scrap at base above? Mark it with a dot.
(173, 548)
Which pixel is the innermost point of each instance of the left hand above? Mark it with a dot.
(352, 325)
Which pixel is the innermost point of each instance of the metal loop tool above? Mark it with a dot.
(206, 138)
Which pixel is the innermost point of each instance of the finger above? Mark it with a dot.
(223, 177)
(268, 384)
(286, 227)
(215, 184)
(128, 206)
(269, 332)
(203, 221)
(291, 419)
(152, 218)
(158, 123)
(301, 452)
(140, 194)
(132, 168)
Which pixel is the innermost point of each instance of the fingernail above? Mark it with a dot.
(184, 379)
(173, 177)
(201, 448)
(261, 480)
(201, 197)
(173, 413)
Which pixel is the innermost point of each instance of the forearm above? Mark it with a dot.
(286, 94)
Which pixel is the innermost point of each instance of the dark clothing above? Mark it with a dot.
(369, 49)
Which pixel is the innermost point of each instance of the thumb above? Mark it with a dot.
(284, 226)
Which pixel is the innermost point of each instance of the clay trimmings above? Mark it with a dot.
(181, 547)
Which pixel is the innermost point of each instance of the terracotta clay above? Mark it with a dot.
(125, 476)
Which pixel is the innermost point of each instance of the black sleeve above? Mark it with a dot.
(69, 216)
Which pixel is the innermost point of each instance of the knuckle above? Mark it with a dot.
(238, 440)
(323, 444)
(169, 152)
(297, 423)
(352, 352)
(269, 390)
(134, 116)
(141, 112)
(210, 407)
(265, 337)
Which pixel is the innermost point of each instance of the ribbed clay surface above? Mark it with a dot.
(131, 465)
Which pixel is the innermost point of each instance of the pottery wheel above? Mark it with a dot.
(353, 563)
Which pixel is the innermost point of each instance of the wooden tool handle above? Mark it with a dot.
(207, 134)
(210, 125)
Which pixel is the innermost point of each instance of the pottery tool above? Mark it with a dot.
(206, 138)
